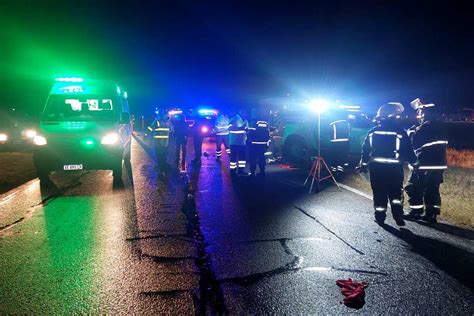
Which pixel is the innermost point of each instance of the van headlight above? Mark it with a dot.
(39, 140)
(3, 137)
(30, 133)
(110, 139)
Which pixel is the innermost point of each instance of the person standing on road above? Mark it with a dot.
(429, 139)
(237, 140)
(180, 134)
(258, 140)
(198, 138)
(384, 151)
(221, 131)
(160, 130)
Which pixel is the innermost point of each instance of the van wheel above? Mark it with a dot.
(296, 152)
(43, 175)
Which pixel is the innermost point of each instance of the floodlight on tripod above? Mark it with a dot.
(319, 106)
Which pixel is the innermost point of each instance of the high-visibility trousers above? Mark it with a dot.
(222, 139)
(257, 157)
(423, 190)
(386, 181)
(237, 158)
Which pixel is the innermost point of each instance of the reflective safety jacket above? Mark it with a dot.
(222, 126)
(160, 130)
(237, 135)
(387, 143)
(430, 142)
(340, 131)
(259, 134)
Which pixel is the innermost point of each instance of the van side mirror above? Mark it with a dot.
(125, 118)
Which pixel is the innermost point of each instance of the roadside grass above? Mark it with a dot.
(461, 158)
(16, 168)
(457, 191)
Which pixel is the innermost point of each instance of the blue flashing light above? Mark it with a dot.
(175, 112)
(207, 112)
(70, 79)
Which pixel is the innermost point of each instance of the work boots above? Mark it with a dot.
(414, 214)
(380, 217)
(397, 213)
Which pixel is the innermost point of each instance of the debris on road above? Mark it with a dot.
(354, 293)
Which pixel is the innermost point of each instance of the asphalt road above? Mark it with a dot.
(201, 242)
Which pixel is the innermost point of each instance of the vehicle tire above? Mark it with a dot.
(128, 154)
(43, 175)
(117, 171)
(296, 152)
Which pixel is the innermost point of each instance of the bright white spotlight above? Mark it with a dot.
(30, 133)
(39, 140)
(318, 105)
(110, 139)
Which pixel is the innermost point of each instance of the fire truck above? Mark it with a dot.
(342, 130)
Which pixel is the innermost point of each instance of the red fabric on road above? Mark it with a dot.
(354, 294)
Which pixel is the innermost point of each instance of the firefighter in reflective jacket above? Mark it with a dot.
(221, 130)
(160, 130)
(385, 149)
(237, 139)
(258, 140)
(339, 149)
(429, 139)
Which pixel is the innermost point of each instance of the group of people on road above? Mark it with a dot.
(385, 149)
(242, 141)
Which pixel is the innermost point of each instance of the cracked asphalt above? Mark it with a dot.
(200, 242)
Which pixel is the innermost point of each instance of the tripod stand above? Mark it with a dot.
(315, 173)
(319, 162)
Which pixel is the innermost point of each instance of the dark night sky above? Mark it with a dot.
(236, 52)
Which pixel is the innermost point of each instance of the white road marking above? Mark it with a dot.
(24, 187)
(356, 191)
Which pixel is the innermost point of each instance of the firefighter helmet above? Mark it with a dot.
(417, 104)
(422, 110)
(389, 110)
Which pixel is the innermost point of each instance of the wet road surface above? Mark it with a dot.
(203, 242)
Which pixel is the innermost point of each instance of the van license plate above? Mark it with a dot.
(72, 167)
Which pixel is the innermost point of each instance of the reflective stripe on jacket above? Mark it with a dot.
(237, 135)
(430, 143)
(222, 126)
(160, 131)
(387, 143)
(259, 134)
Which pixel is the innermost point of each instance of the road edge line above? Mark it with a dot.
(348, 188)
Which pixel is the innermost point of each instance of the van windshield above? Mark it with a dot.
(79, 108)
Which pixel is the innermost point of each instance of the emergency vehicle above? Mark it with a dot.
(85, 125)
(343, 130)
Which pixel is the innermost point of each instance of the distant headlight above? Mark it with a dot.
(3, 137)
(39, 140)
(110, 139)
(30, 133)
